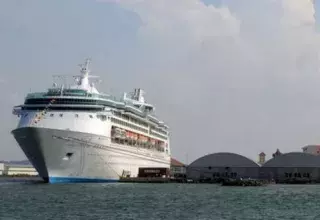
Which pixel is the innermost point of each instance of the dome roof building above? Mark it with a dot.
(223, 164)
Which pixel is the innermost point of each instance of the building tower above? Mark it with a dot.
(262, 158)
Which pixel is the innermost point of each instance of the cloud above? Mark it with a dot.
(298, 13)
(240, 77)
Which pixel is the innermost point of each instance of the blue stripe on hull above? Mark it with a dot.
(79, 180)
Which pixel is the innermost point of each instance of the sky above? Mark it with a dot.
(225, 75)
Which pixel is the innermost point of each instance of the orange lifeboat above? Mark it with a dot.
(129, 135)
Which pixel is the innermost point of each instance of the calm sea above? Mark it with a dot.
(158, 201)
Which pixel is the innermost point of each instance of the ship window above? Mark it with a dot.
(51, 115)
(90, 116)
(76, 115)
(61, 115)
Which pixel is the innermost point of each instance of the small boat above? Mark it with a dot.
(243, 182)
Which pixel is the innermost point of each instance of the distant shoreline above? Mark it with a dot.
(20, 178)
(12, 176)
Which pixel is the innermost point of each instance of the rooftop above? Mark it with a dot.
(176, 163)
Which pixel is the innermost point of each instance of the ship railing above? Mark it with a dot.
(75, 94)
(36, 95)
(68, 93)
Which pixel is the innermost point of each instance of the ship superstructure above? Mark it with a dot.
(74, 133)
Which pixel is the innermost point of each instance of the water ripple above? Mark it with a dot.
(158, 201)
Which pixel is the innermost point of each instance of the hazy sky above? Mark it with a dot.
(226, 75)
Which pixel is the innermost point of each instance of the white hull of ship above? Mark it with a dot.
(63, 155)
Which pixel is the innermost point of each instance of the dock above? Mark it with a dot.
(152, 180)
(243, 182)
(144, 180)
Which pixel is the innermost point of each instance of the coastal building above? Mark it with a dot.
(18, 169)
(1, 168)
(282, 168)
(220, 165)
(292, 166)
(311, 149)
(177, 169)
(262, 158)
(10, 169)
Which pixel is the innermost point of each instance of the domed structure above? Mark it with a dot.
(294, 165)
(222, 165)
(294, 159)
(223, 160)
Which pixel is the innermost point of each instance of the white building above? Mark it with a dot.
(1, 168)
(312, 149)
(177, 169)
(17, 169)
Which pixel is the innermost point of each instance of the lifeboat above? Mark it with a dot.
(143, 139)
(129, 135)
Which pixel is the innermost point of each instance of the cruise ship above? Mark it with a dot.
(73, 133)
